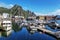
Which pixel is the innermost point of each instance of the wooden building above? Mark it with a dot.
(40, 17)
(49, 17)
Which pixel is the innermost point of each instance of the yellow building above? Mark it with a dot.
(41, 17)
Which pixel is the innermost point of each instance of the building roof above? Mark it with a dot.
(19, 17)
(6, 21)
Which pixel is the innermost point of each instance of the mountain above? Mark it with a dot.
(17, 10)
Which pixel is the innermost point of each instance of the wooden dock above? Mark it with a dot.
(40, 28)
(46, 31)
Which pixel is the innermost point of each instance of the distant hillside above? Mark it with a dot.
(17, 10)
(2, 10)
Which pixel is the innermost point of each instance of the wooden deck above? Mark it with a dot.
(54, 34)
(45, 30)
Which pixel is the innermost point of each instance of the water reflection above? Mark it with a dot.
(47, 27)
(25, 35)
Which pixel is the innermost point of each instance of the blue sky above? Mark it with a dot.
(37, 6)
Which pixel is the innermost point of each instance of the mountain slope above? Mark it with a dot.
(17, 10)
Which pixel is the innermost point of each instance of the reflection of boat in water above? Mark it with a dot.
(25, 35)
(52, 25)
(33, 29)
(46, 30)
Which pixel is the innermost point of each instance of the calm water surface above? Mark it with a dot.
(24, 35)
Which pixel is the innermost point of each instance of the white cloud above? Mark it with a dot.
(57, 12)
(6, 5)
(40, 13)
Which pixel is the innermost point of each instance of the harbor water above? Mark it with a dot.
(25, 35)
